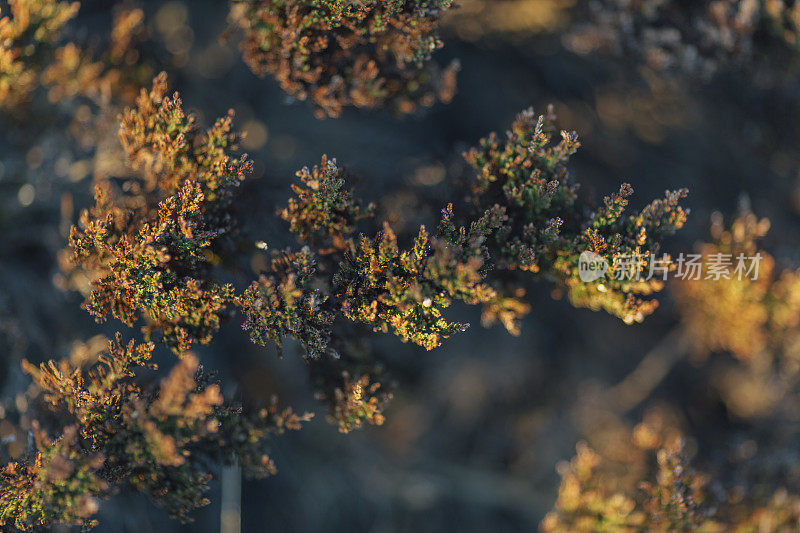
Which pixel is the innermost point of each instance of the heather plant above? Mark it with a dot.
(403, 291)
(644, 480)
(526, 218)
(156, 235)
(357, 402)
(281, 304)
(34, 55)
(157, 439)
(697, 38)
(148, 240)
(27, 40)
(324, 211)
(752, 317)
(546, 229)
(339, 53)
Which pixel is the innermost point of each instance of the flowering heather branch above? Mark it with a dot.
(526, 218)
(324, 211)
(280, 304)
(148, 241)
(356, 402)
(149, 244)
(546, 229)
(353, 382)
(341, 53)
(404, 291)
(157, 440)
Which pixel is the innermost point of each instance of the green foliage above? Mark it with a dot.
(324, 214)
(546, 229)
(280, 304)
(58, 484)
(148, 242)
(159, 440)
(644, 481)
(340, 53)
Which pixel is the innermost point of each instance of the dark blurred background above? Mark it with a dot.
(476, 427)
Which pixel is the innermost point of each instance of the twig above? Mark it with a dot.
(231, 511)
(651, 370)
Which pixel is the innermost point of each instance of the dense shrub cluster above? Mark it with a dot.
(149, 238)
(642, 479)
(155, 244)
(27, 39)
(695, 37)
(32, 55)
(339, 53)
(157, 439)
(754, 320)
(524, 217)
(152, 238)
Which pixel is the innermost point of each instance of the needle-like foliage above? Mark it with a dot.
(523, 217)
(158, 439)
(340, 53)
(148, 241)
